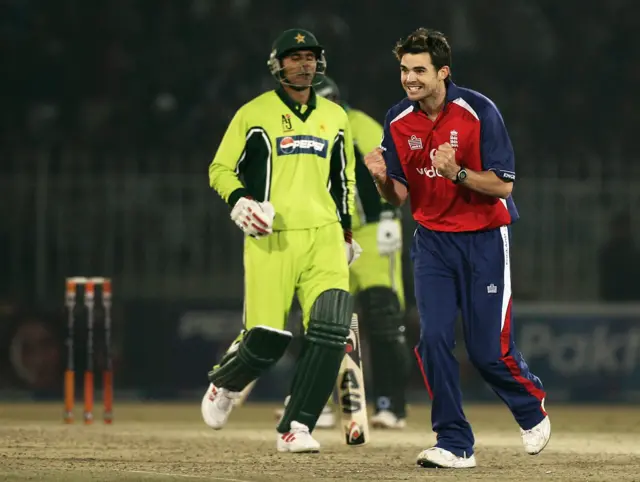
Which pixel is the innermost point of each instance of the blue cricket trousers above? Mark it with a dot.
(470, 272)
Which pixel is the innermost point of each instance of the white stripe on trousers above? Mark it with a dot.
(506, 292)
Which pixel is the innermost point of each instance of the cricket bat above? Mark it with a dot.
(244, 394)
(351, 395)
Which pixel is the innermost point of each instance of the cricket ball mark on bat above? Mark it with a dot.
(351, 392)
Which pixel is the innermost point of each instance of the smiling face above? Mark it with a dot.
(425, 64)
(420, 78)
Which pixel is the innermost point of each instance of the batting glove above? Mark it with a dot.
(254, 218)
(389, 235)
(351, 248)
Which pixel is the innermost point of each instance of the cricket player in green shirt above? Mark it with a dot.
(286, 166)
(376, 279)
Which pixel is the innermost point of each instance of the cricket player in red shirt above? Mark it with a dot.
(447, 148)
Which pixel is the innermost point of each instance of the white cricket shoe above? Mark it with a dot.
(387, 419)
(217, 404)
(297, 440)
(537, 438)
(437, 457)
(327, 418)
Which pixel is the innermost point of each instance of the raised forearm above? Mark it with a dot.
(394, 192)
(486, 182)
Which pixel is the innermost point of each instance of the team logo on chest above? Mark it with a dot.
(415, 143)
(286, 123)
(453, 139)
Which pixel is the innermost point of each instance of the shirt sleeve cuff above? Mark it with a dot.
(508, 176)
(237, 194)
(345, 221)
(399, 179)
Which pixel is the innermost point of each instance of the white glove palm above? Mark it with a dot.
(254, 218)
(352, 250)
(389, 237)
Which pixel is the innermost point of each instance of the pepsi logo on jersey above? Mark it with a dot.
(290, 145)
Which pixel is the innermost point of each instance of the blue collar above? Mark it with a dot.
(453, 92)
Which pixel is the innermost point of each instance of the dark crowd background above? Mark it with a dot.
(112, 110)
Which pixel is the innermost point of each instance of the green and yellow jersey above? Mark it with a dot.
(298, 157)
(367, 135)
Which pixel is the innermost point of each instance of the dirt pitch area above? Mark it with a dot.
(167, 442)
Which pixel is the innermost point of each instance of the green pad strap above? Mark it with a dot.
(319, 363)
(258, 350)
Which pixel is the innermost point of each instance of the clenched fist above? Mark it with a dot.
(445, 161)
(375, 164)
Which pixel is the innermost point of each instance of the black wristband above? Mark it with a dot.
(461, 176)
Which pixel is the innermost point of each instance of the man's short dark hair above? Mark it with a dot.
(426, 40)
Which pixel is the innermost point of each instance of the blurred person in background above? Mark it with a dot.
(286, 167)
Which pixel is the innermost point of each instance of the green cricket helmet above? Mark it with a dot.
(326, 87)
(288, 42)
